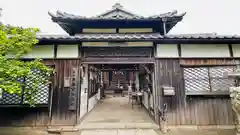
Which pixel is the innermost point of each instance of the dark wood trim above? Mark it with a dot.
(209, 80)
(109, 77)
(197, 58)
(88, 92)
(120, 69)
(159, 41)
(179, 50)
(79, 50)
(205, 65)
(55, 51)
(230, 50)
(207, 93)
(112, 60)
(155, 45)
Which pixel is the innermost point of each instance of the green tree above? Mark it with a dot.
(15, 42)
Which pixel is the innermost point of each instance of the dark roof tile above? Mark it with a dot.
(102, 36)
(139, 36)
(116, 8)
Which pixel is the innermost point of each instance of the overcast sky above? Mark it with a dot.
(203, 16)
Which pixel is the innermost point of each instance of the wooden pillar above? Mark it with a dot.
(131, 80)
(157, 91)
(109, 77)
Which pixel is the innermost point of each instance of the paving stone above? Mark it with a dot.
(146, 132)
(99, 132)
(127, 132)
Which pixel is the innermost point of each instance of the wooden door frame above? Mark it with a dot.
(120, 60)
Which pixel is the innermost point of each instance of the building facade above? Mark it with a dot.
(193, 64)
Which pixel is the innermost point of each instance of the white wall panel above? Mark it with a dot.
(92, 102)
(99, 30)
(236, 50)
(67, 51)
(95, 44)
(167, 50)
(136, 30)
(41, 51)
(131, 44)
(205, 50)
(145, 99)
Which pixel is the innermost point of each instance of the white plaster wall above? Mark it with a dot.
(99, 30)
(205, 50)
(135, 30)
(41, 51)
(92, 102)
(98, 94)
(151, 101)
(143, 44)
(167, 50)
(145, 99)
(84, 96)
(137, 80)
(67, 51)
(236, 50)
(95, 44)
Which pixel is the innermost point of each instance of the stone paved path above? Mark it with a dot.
(115, 116)
(120, 132)
(117, 113)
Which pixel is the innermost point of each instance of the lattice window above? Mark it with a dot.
(40, 98)
(196, 79)
(207, 79)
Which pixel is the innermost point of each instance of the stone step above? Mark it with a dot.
(119, 132)
(118, 126)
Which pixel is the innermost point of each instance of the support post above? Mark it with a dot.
(156, 90)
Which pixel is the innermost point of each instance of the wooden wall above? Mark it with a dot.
(189, 110)
(25, 116)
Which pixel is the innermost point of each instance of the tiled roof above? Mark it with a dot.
(116, 8)
(202, 36)
(64, 15)
(143, 36)
(119, 8)
(139, 36)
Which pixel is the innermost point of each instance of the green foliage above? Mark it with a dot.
(14, 43)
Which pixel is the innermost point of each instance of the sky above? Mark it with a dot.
(203, 16)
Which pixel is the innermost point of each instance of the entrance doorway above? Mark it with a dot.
(117, 78)
(114, 107)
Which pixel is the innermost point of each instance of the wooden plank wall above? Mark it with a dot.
(13, 116)
(184, 110)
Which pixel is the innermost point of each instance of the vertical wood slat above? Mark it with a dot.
(190, 110)
(39, 116)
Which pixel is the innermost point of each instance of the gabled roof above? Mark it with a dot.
(117, 12)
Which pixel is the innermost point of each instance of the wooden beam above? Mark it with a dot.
(230, 50)
(80, 50)
(119, 69)
(179, 50)
(55, 51)
(112, 60)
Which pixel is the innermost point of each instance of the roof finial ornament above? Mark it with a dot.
(117, 5)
